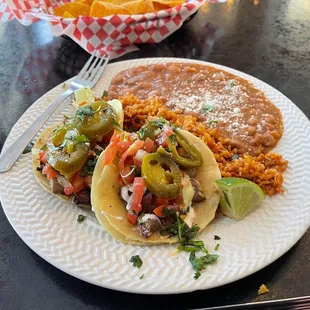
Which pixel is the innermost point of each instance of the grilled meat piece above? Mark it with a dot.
(191, 172)
(199, 195)
(55, 186)
(148, 202)
(82, 199)
(149, 224)
(40, 168)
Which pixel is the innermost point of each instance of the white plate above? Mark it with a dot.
(49, 226)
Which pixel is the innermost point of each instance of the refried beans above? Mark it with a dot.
(219, 99)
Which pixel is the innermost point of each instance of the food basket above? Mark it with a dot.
(114, 35)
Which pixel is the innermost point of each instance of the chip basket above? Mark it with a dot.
(114, 35)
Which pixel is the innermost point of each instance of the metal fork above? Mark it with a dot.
(89, 76)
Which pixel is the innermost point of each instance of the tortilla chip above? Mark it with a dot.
(136, 7)
(149, 7)
(75, 9)
(88, 2)
(169, 3)
(158, 6)
(114, 2)
(101, 9)
(67, 15)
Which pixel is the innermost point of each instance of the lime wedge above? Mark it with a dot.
(83, 94)
(238, 197)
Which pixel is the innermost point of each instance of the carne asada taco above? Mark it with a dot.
(145, 183)
(65, 156)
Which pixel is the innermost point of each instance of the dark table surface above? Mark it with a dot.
(267, 39)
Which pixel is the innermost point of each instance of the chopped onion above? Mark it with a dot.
(129, 173)
(140, 155)
(62, 181)
(125, 193)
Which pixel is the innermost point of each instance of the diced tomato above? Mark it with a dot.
(43, 156)
(129, 161)
(132, 137)
(69, 189)
(131, 151)
(149, 145)
(137, 163)
(77, 183)
(111, 151)
(161, 201)
(128, 174)
(123, 146)
(159, 211)
(132, 218)
(137, 195)
(168, 130)
(162, 140)
(115, 136)
(49, 171)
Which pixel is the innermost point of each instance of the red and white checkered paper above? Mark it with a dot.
(114, 35)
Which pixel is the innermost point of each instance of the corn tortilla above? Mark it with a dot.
(110, 209)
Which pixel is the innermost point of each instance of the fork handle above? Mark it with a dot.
(12, 153)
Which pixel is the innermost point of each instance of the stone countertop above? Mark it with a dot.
(267, 39)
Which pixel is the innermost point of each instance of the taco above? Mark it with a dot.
(146, 184)
(64, 156)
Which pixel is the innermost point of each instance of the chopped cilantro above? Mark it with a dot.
(185, 233)
(28, 148)
(179, 228)
(173, 138)
(193, 246)
(117, 126)
(232, 83)
(217, 247)
(159, 122)
(141, 277)
(206, 108)
(170, 230)
(213, 121)
(236, 156)
(200, 263)
(89, 166)
(217, 237)
(84, 111)
(168, 212)
(142, 133)
(188, 248)
(105, 94)
(136, 260)
(81, 218)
